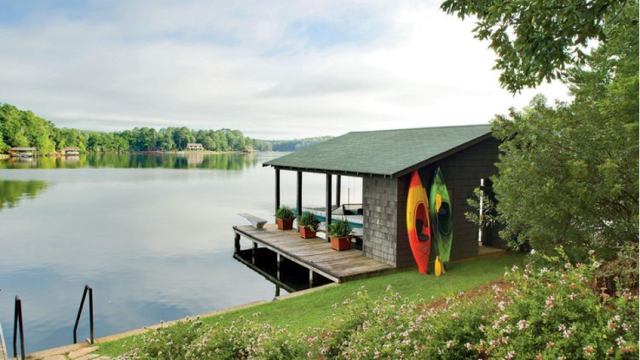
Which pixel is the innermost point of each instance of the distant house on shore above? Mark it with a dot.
(23, 151)
(195, 147)
(71, 151)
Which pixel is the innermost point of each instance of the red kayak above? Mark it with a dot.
(418, 224)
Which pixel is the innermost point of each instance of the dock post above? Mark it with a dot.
(278, 262)
(338, 186)
(329, 207)
(277, 189)
(299, 194)
(310, 278)
(236, 243)
(253, 252)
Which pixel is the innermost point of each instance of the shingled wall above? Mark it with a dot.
(385, 204)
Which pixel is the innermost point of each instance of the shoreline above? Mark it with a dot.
(174, 152)
(65, 349)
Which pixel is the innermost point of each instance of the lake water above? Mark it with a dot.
(150, 233)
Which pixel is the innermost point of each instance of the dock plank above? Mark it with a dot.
(315, 254)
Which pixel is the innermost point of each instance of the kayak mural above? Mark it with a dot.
(418, 224)
(441, 215)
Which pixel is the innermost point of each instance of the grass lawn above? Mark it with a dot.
(311, 310)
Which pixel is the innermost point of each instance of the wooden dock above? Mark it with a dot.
(314, 254)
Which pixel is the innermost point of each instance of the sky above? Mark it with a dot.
(275, 69)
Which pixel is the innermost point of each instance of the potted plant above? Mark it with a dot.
(339, 232)
(285, 217)
(308, 225)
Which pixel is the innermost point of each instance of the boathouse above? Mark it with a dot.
(71, 151)
(23, 151)
(385, 160)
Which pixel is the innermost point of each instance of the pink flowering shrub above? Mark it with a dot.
(557, 314)
(537, 313)
(243, 339)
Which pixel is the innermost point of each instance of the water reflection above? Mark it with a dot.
(195, 160)
(291, 277)
(12, 191)
(154, 244)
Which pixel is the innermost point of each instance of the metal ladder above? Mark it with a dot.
(18, 327)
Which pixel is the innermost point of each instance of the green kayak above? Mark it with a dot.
(440, 209)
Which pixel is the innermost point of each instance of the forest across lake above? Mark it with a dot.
(22, 128)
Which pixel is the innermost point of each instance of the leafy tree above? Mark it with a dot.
(538, 40)
(568, 174)
(3, 146)
(566, 181)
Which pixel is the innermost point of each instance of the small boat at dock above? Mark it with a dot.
(352, 213)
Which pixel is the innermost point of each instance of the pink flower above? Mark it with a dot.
(550, 344)
(522, 324)
(589, 351)
(550, 302)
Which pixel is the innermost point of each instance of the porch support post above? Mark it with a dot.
(299, 194)
(277, 189)
(328, 209)
(310, 278)
(338, 186)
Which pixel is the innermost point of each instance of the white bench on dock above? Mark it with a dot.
(257, 222)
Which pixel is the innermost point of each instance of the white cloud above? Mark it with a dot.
(278, 69)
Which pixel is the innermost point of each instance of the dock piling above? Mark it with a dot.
(253, 252)
(278, 264)
(236, 243)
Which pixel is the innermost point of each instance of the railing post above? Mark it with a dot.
(18, 326)
(87, 289)
(91, 314)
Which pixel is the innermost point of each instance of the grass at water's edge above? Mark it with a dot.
(313, 309)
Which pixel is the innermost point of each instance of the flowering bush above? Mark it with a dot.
(534, 313)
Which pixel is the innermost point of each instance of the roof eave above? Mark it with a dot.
(328, 171)
(443, 155)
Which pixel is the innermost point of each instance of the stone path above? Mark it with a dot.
(86, 353)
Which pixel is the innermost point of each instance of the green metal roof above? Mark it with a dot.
(383, 153)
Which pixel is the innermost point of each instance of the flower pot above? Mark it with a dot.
(340, 243)
(306, 232)
(285, 224)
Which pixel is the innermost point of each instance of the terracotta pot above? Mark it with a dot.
(285, 224)
(306, 232)
(340, 243)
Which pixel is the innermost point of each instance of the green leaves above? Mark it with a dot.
(309, 220)
(285, 213)
(537, 40)
(340, 228)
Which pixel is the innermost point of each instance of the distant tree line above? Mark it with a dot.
(20, 128)
(288, 145)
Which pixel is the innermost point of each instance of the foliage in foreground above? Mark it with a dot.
(536, 314)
